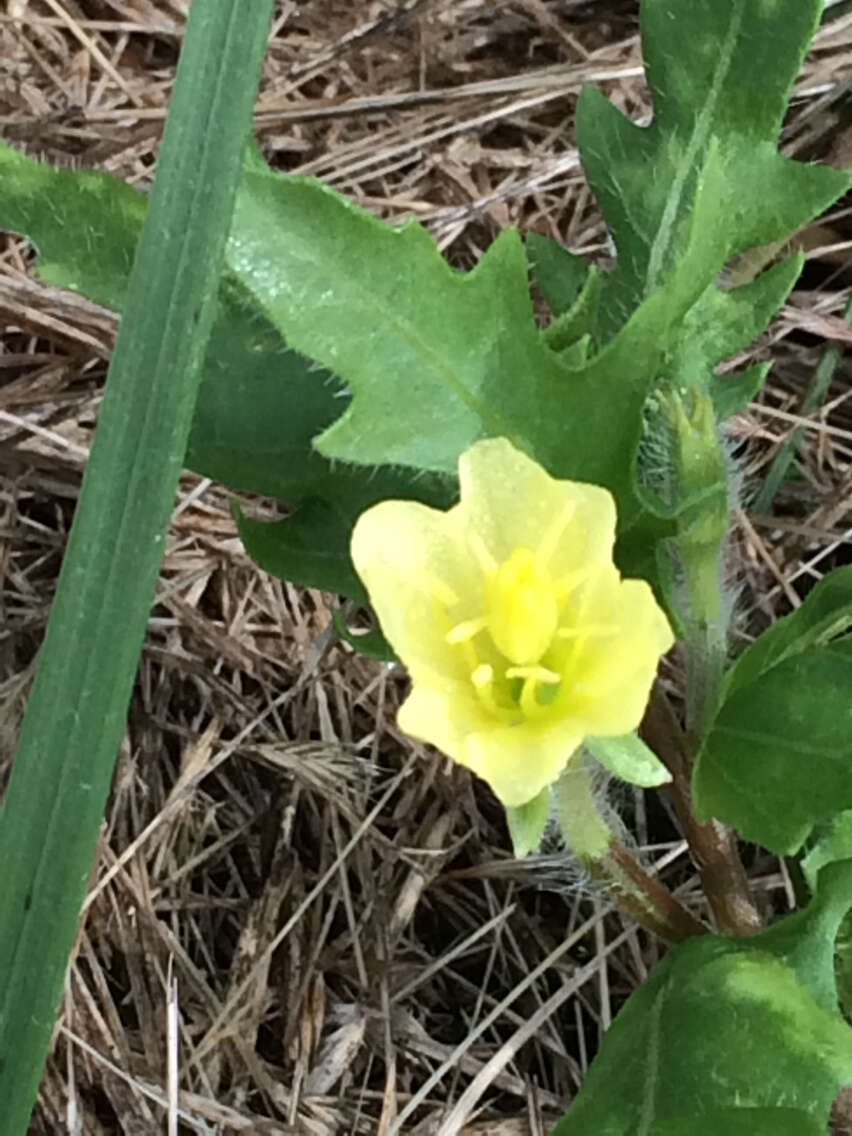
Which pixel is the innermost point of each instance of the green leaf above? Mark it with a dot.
(310, 547)
(527, 823)
(720, 324)
(719, 77)
(722, 1031)
(426, 350)
(559, 273)
(630, 759)
(777, 759)
(805, 940)
(824, 614)
(743, 1122)
(733, 393)
(260, 404)
(53, 807)
(833, 843)
(436, 358)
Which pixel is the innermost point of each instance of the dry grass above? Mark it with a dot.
(299, 920)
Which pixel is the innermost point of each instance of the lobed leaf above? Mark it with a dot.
(260, 404)
(720, 78)
(559, 273)
(437, 359)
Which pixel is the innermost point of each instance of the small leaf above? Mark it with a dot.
(723, 1034)
(630, 759)
(777, 759)
(733, 393)
(559, 273)
(527, 823)
(721, 323)
(825, 613)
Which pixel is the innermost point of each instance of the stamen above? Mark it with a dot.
(466, 630)
(551, 538)
(580, 636)
(532, 676)
(480, 550)
(588, 630)
(483, 680)
(571, 580)
(437, 588)
(539, 674)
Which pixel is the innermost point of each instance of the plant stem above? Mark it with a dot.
(713, 844)
(637, 893)
(633, 889)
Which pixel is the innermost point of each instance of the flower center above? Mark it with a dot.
(521, 609)
(521, 606)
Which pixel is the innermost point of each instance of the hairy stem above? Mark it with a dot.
(713, 844)
(630, 886)
(637, 893)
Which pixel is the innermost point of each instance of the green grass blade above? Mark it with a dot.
(789, 448)
(74, 721)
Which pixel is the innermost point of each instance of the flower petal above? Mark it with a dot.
(511, 502)
(614, 674)
(519, 761)
(421, 581)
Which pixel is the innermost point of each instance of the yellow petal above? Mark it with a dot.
(433, 716)
(518, 762)
(613, 673)
(417, 571)
(510, 501)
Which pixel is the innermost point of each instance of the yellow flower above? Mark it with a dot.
(519, 634)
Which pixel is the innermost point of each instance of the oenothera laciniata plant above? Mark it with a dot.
(536, 514)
